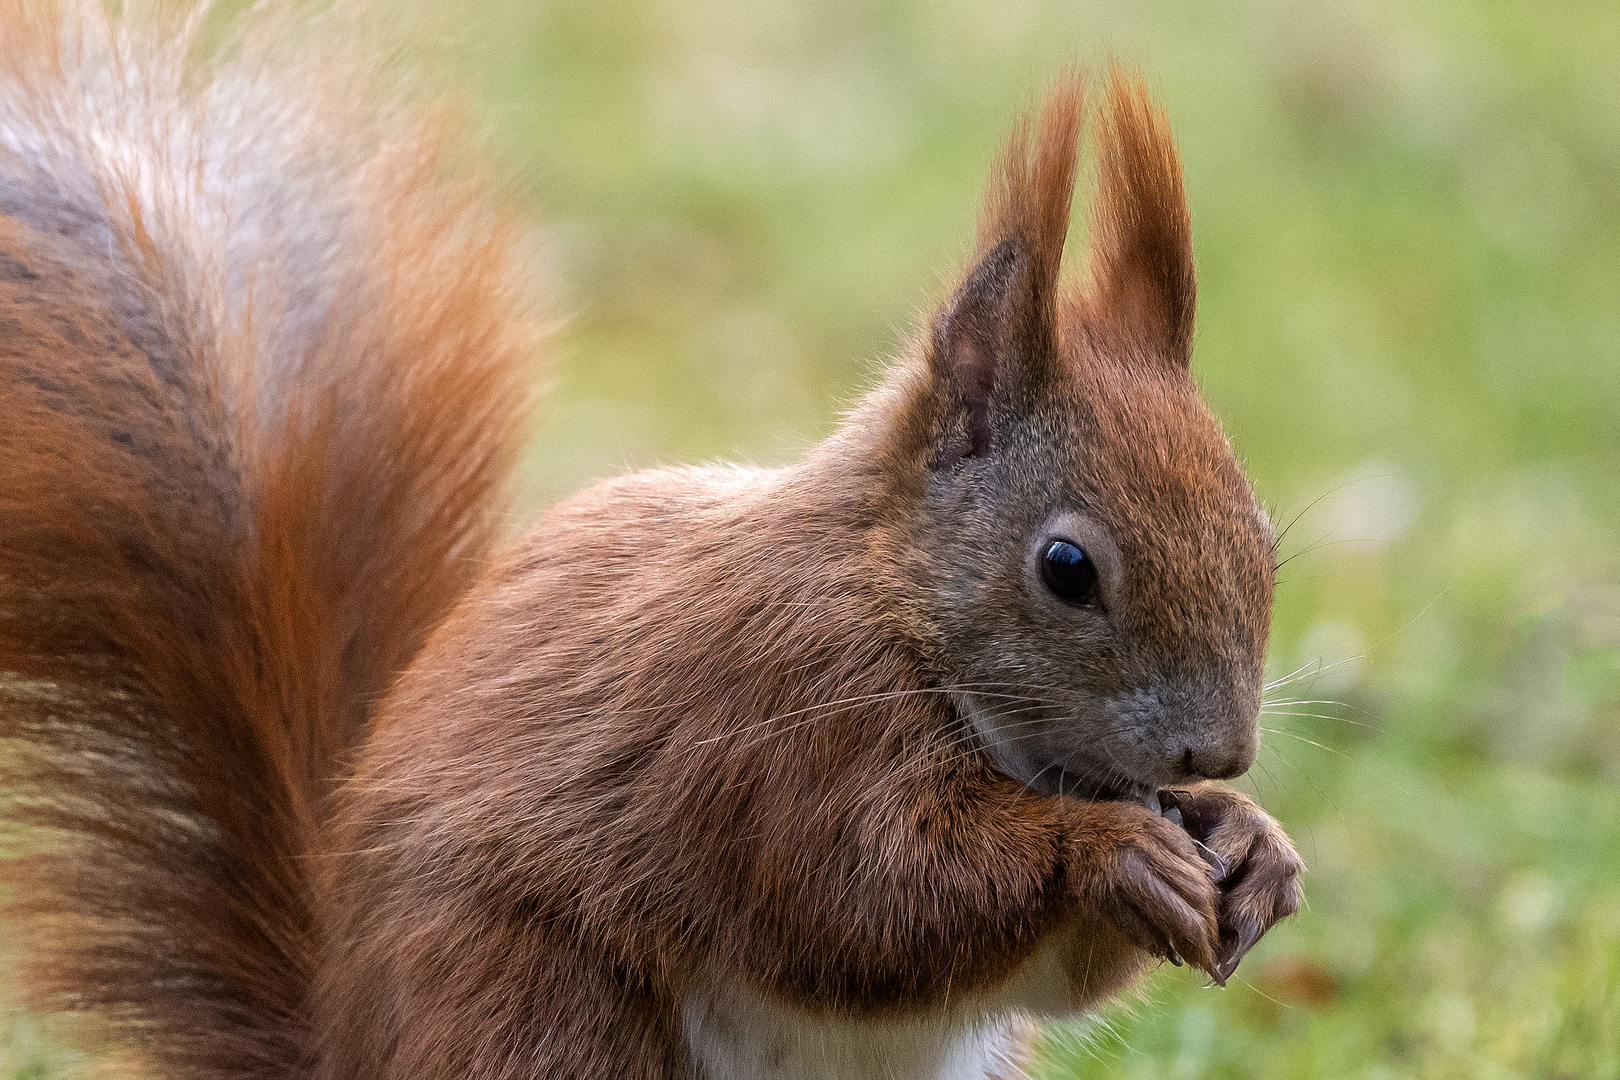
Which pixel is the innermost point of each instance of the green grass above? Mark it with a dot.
(1407, 221)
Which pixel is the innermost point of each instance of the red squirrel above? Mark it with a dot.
(855, 767)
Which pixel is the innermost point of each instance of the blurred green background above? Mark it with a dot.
(1407, 224)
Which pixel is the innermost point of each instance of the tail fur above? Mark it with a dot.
(263, 350)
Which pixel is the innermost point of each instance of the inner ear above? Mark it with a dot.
(994, 341)
(980, 338)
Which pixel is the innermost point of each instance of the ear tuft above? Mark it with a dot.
(1142, 289)
(1033, 187)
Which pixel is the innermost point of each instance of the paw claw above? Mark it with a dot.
(1248, 933)
(1255, 868)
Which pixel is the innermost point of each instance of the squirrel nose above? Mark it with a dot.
(1210, 762)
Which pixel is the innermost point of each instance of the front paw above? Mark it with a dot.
(1145, 875)
(1258, 871)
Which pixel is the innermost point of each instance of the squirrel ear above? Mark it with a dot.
(1142, 289)
(975, 341)
(998, 330)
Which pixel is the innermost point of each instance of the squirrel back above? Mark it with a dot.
(263, 353)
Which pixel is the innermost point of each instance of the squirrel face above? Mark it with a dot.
(1094, 561)
(1105, 586)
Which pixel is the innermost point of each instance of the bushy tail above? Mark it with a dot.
(263, 355)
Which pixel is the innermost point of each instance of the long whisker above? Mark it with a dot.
(1323, 542)
(864, 699)
(1292, 675)
(1277, 543)
(1319, 716)
(1033, 703)
(1312, 546)
(1322, 669)
(972, 734)
(1303, 739)
(1317, 701)
(1029, 785)
(1292, 764)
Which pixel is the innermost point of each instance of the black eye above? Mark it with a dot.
(1069, 572)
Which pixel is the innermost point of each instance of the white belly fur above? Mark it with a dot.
(736, 1033)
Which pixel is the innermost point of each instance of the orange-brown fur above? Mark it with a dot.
(261, 384)
(263, 378)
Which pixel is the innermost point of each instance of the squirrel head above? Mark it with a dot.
(1079, 550)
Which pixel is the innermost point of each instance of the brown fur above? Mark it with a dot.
(814, 731)
(262, 366)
